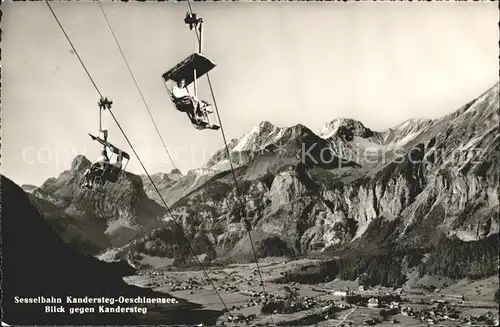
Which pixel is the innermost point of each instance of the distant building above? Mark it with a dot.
(372, 303)
(406, 311)
(361, 288)
(394, 305)
(340, 293)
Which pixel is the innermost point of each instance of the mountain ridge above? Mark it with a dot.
(111, 216)
(310, 193)
(414, 173)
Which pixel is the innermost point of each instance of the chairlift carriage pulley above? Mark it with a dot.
(193, 20)
(189, 71)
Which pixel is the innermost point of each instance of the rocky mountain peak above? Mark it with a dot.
(412, 125)
(346, 129)
(28, 188)
(111, 215)
(266, 125)
(175, 171)
(80, 163)
(174, 175)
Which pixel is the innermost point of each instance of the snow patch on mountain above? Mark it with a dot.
(247, 142)
(259, 137)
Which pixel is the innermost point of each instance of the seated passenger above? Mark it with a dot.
(117, 165)
(95, 169)
(191, 105)
(102, 161)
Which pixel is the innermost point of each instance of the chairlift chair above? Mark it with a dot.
(107, 172)
(191, 69)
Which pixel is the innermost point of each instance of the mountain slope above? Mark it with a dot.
(348, 188)
(36, 262)
(175, 186)
(417, 182)
(112, 216)
(28, 187)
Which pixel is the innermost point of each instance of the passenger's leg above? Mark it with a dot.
(199, 112)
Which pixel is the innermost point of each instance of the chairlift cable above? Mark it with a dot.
(238, 190)
(74, 49)
(231, 166)
(169, 210)
(80, 59)
(138, 88)
(145, 170)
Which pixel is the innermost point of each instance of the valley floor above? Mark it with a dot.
(463, 303)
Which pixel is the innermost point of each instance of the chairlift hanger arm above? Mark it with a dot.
(104, 103)
(193, 21)
(113, 148)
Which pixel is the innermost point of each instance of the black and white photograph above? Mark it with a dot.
(250, 163)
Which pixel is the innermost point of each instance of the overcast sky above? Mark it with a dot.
(288, 63)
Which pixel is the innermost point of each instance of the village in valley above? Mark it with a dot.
(343, 303)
